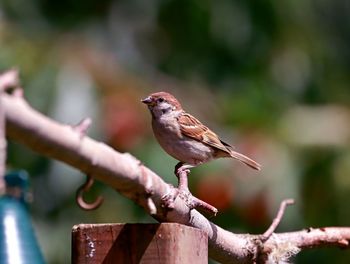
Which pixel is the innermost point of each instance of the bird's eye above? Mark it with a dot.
(160, 100)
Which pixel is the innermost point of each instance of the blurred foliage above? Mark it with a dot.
(271, 77)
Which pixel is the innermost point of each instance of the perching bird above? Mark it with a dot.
(186, 139)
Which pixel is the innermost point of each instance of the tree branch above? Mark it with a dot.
(131, 178)
(8, 80)
(2, 146)
(277, 220)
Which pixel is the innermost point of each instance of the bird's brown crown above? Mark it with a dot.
(167, 97)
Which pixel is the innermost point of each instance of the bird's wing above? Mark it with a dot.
(193, 128)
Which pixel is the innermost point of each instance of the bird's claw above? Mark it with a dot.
(179, 171)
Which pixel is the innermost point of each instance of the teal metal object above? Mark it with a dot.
(18, 244)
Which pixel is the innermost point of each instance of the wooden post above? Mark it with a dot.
(138, 243)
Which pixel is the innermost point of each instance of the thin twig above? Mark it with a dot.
(192, 201)
(277, 219)
(203, 206)
(184, 193)
(83, 126)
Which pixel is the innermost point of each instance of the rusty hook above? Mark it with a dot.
(84, 189)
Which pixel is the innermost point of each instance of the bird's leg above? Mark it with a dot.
(169, 198)
(181, 171)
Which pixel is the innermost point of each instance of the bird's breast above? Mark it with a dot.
(180, 147)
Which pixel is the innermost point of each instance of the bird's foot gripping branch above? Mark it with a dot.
(182, 191)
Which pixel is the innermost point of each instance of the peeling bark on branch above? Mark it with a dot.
(131, 178)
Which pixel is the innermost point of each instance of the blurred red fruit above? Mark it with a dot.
(216, 190)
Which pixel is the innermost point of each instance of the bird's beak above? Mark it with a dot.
(148, 101)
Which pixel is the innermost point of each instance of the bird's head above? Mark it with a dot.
(162, 103)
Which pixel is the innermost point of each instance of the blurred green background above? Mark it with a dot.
(270, 77)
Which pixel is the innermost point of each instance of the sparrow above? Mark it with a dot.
(184, 137)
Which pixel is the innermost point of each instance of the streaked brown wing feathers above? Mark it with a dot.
(193, 128)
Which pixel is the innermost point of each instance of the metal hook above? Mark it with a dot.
(80, 195)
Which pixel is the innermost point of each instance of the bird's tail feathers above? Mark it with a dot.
(244, 159)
